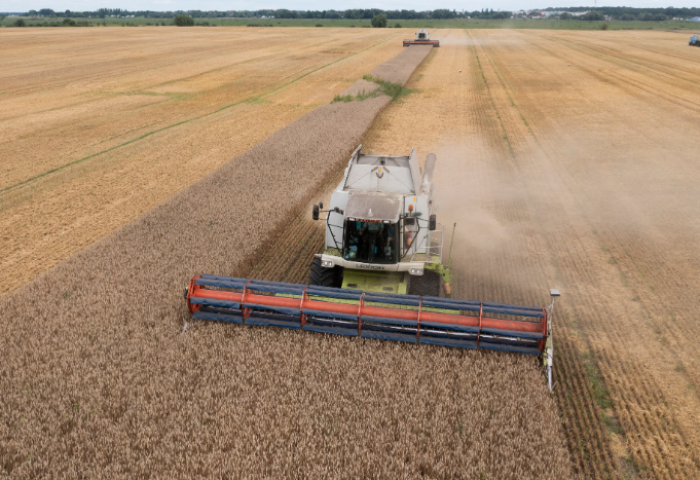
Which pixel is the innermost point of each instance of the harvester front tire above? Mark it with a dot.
(324, 277)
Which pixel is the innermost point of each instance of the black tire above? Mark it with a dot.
(324, 277)
(430, 283)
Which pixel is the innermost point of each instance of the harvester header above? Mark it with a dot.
(405, 318)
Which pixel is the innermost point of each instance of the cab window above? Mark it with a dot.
(370, 242)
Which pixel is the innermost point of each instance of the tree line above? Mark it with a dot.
(629, 13)
(597, 13)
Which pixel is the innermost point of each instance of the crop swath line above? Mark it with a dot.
(175, 125)
(130, 69)
(613, 239)
(605, 329)
(632, 66)
(615, 57)
(508, 144)
(624, 410)
(596, 457)
(588, 423)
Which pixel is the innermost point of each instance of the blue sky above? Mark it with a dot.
(79, 5)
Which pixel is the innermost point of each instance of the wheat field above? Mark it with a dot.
(143, 157)
(98, 379)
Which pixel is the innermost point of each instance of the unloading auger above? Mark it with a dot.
(381, 274)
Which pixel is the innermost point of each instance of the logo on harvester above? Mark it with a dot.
(369, 267)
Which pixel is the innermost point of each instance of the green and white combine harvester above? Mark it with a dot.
(381, 275)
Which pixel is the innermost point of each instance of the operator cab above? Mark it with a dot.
(381, 217)
(422, 34)
(371, 227)
(371, 241)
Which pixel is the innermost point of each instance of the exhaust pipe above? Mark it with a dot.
(428, 170)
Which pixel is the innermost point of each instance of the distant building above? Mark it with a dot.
(695, 19)
(552, 14)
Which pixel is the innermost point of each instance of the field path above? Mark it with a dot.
(569, 160)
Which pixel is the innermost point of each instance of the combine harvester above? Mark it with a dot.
(422, 38)
(381, 275)
(694, 41)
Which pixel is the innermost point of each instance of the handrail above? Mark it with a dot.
(429, 247)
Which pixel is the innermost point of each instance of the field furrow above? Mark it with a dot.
(577, 173)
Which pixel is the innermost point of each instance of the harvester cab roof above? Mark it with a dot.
(373, 206)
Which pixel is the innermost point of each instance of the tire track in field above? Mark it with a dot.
(591, 417)
(587, 417)
(637, 67)
(647, 456)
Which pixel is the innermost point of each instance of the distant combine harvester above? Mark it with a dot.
(422, 38)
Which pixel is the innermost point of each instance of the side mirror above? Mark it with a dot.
(432, 223)
(314, 212)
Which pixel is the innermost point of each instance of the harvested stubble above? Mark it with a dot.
(87, 149)
(97, 380)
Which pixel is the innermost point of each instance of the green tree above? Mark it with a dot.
(183, 20)
(593, 15)
(20, 23)
(565, 16)
(379, 21)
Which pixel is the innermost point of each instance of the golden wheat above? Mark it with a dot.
(97, 380)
